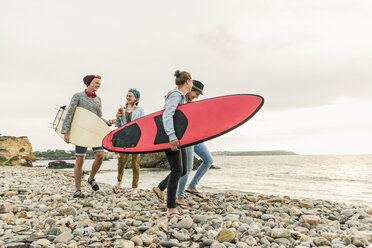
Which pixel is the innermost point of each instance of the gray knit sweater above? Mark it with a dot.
(81, 99)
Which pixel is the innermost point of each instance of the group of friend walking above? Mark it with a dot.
(180, 159)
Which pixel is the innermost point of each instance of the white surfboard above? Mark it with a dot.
(87, 129)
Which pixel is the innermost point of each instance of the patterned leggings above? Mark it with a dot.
(123, 158)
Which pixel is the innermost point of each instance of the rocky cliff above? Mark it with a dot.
(15, 151)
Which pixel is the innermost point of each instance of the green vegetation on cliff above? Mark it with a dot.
(55, 154)
(64, 155)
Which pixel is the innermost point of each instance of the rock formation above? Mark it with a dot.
(60, 165)
(15, 151)
(159, 160)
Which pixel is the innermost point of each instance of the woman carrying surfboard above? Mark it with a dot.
(199, 149)
(89, 100)
(176, 158)
(129, 113)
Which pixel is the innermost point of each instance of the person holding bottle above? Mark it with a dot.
(126, 114)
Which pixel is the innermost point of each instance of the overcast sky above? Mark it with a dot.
(310, 60)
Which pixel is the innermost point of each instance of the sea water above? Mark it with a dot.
(342, 178)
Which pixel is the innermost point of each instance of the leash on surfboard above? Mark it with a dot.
(58, 119)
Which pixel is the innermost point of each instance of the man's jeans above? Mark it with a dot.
(202, 151)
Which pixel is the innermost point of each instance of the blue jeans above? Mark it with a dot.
(202, 151)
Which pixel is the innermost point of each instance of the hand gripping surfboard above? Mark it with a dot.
(87, 129)
(194, 123)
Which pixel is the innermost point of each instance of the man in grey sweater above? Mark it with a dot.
(90, 101)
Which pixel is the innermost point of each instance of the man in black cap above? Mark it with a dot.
(196, 91)
(202, 152)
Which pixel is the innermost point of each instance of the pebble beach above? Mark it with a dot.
(37, 210)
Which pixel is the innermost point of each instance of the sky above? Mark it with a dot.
(310, 60)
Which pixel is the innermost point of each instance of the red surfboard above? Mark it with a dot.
(194, 123)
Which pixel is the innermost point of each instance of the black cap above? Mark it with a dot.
(198, 86)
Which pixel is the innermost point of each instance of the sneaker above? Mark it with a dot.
(94, 185)
(78, 194)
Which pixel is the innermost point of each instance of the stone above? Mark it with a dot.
(311, 219)
(216, 244)
(10, 193)
(87, 205)
(230, 209)
(280, 233)
(78, 232)
(254, 231)
(306, 204)
(295, 211)
(97, 245)
(200, 218)
(282, 241)
(347, 212)
(63, 237)
(338, 245)
(329, 236)
(20, 221)
(241, 245)
(104, 226)
(7, 218)
(143, 228)
(27, 215)
(40, 243)
(16, 245)
(321, 241)
(252, 198)
(359, 241)
(67, 211)
(207, 242)
(211, 234)
(225, 235)
(179, 236)
(302, 230)
(50, 221)
(185, 223)
(137, 241)
(147, 239)
(369, 210)
(170, 244)
(242, 229)
(251, 241)
(58, 164)
(6, 207)
(264, 241)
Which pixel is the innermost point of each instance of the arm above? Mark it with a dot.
(171, 103)
(70, 113)
(119, 120)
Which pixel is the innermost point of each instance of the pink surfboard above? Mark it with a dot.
(194, 123)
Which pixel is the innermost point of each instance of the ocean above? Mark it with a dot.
(341, 178)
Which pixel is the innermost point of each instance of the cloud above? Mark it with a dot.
(297, 54)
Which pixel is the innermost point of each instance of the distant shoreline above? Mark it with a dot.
(253, 153)
(48, 155)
